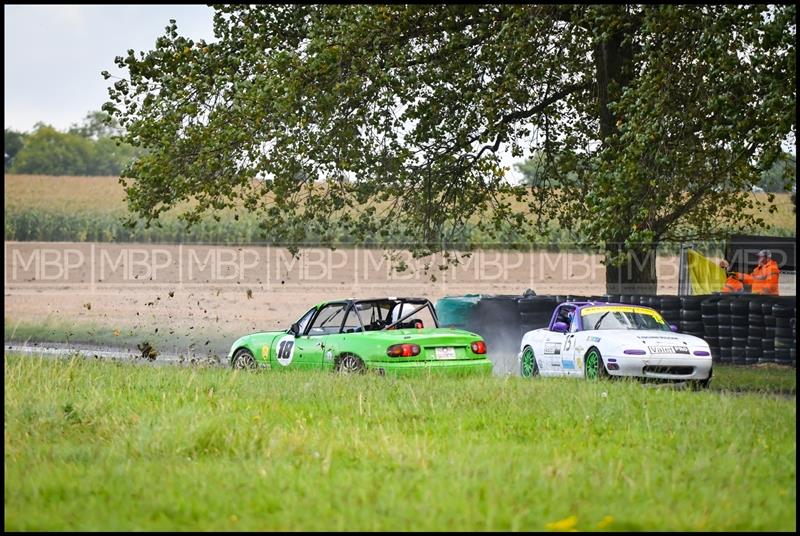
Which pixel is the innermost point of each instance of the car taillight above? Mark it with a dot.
(479, 347)
(402, 350)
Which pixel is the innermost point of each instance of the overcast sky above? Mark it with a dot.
(54, 54)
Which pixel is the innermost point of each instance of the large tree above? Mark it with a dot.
(387, 118)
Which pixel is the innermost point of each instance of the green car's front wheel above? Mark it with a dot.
(593, 367)
(350, 364)
(528, 366)
(243, 359)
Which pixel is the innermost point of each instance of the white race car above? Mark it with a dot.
(596, 340)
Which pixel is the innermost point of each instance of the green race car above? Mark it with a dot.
(387, 335)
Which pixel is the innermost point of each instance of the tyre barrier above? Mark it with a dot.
(739, 329)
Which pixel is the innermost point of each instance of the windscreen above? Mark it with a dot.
(633, 318)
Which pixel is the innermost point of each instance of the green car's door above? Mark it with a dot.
(310, 347)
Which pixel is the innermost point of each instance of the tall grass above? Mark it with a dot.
(104, 446)
(91, 209)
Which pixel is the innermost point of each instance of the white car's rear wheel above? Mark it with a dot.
(528, 366)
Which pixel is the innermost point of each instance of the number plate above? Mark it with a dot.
(447, 352)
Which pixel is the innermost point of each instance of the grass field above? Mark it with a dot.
(81, 209)
(109, 446)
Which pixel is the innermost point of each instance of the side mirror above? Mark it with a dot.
(560, 327)
(295, 329)
(673, 327)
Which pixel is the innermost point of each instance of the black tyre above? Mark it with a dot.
(739, 320)
(709, 306)
(243, 359)
(724, 306)
(752, 354)
(783, 333)
(767, 356)
(754, 342)
(739, 342)
(691, 326)
(536, 304)
(349, 364)
(692, 302)
(710, 319)
(691, 315)
(740, 307)
(756, 331)
(527, 365)
(739, 331)
(780, 310)
(703, 384)
(739, 356)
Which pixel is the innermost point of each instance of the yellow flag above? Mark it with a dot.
(706, 276)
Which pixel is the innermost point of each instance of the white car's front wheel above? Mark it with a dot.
(593, 366)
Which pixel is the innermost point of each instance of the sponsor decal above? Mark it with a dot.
(593, 339)
(552, 348)
(329, 355)
(265, 354)
(668, 350)
(580, 362)
(567, 364)
(286, 350)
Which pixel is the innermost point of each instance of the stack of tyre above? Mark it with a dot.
(739, 307)
(732, 315)
(754, 351)
(669, 307)
(784, 313)
(691, 316)
(711, 334)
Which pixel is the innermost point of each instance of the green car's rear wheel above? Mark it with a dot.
(528, 366)
(243, 359)
(593, 367)
(350, 364)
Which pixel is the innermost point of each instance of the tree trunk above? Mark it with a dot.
(614, 71)
(636, 274)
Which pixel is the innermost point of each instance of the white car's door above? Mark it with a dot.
(553, 345)
(568, 364)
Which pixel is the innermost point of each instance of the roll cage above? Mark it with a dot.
(379, 322)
